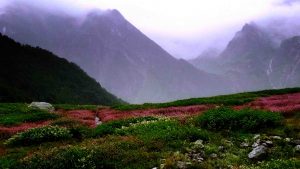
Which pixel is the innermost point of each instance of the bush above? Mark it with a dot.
(39, 135)
(110, 127)
(244, 120)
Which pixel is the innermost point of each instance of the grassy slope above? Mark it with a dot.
(149, 142)
(33, 74)
(226, 100)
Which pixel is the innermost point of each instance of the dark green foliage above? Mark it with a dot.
(227, 100)
(110, 127)
(166, 131)
(76, 107)
(108, 155)
(12, 114)
(246, 119)
(39, 135)
(32, 74)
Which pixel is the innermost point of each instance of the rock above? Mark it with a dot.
(154, 168)
(287, 139)
(256, 136)
(244, 144)
(257, 152)
(276, 137)
(221, 148)
(269, 143)
(297, 148)
(42, 106)
(182, 164)
(256, 143)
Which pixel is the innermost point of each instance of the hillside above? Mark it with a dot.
(33, 74)
(114, 52)
(254, 131)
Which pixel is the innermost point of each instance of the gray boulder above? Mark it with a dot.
(42, 105)
(257, 152)
(297, 148)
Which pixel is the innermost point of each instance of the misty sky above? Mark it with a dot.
(183, 27)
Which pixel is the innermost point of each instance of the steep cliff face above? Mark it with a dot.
(246, 58)
(285, 66)
(114, 52)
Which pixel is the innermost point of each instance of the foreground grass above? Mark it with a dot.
(149, 142)
(14, 113)
(226, 100)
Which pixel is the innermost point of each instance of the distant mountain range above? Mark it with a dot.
(32, 74)
(252, 61)
(114, 52)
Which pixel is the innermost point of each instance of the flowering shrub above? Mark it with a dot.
(39, 135)
(111, 127)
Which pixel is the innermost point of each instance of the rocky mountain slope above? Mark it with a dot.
(114, 52)
(32, 74)
(253, 62)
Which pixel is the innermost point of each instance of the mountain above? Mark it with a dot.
(246, 58)
(244, 61)
(208, 60)
(252, 61)
(33, 74)
(284, 68)
(114, 52)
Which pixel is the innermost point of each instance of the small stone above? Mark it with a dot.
(221, 148)
(256, 136)
(287, 139)
(276, 137)
(270, 143)
(257, 152)
(244, 144)
(255, 145)
(154, 168)
(297, 148)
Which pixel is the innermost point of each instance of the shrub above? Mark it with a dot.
(39, 135)
(245, 120)
(110, 127)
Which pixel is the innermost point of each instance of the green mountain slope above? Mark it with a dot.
(33, 74)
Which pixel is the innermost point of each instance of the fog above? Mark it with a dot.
(186, 28)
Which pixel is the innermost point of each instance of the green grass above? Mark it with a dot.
(16, 113)
(226, 100)
(244, 120)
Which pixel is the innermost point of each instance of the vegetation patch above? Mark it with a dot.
(246, 119)
(226, 100)
(39, 135)
(15, 113)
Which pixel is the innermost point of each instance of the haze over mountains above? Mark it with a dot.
(133, 67)
(114, 52)
(252, 60)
